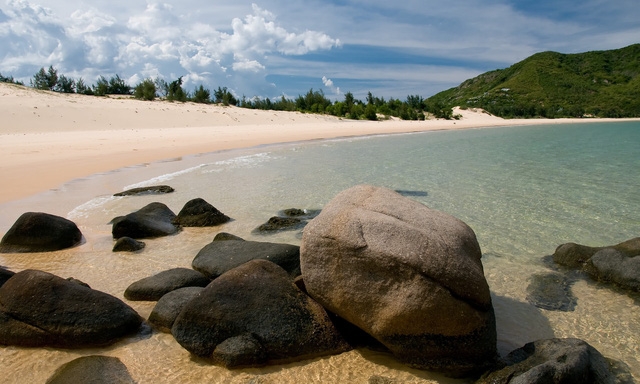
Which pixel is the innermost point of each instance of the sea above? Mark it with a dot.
(524, 190)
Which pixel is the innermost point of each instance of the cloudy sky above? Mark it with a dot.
(270, 48)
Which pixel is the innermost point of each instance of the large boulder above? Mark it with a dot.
(153, 220)
(553, 361)
(41, 309)
(169, 306)
(92, 369)
(40, 232)
(218, 257)
(152, 288)
(199, 213)
(5, 275)
(408, 275)
(253, 315)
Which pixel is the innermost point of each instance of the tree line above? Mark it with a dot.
(414, 107)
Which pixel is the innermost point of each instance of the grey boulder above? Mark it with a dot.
(408, 275)
(92, 369)
(152, 220)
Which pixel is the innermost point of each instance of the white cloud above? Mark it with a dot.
(248, 66)
(329, 84)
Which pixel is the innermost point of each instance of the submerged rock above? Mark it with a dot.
(92, 369)
(252, 315)
(127, 244)
(153, 220)
(153, 190)
(199, 213)
(41, 309)
(40, 232)
(553, 361)
(551, 291)
(408, 275)
(277, 223)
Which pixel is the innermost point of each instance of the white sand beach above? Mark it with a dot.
(49, 138)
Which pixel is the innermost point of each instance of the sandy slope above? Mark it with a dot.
(49, 138)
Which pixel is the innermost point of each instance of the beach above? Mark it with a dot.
(524, 187)
(49, 138)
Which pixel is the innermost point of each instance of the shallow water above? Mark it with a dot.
(524, 191)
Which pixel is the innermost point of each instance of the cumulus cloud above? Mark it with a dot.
(156, 41)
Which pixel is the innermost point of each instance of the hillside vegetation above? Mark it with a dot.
(551, 84)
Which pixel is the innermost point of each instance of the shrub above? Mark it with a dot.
(201, 95)
(146, 90)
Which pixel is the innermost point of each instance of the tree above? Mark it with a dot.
(82, 88)
(201, 95)
(45, 80)
(102, 87)
(146, 90)
(117, 86)
(162, 87)
(65, 85)
(176, 92)
(370, 112)
(222, 95)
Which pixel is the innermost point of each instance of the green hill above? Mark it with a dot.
(551, 84)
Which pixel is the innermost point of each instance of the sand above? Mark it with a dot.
(47, 138)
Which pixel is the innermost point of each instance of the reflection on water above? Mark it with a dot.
(523, 191)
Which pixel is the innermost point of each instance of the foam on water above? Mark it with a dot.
(524, 191)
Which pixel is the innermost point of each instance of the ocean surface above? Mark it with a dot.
(523, 190)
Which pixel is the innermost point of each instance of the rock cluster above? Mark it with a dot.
(615, 264)
(374, 266)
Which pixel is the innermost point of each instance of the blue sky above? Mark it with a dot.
(271, 48)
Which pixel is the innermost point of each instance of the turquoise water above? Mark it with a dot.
(524, 191)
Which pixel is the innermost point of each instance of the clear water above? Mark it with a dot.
(524, 191)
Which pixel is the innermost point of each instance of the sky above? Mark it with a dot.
(271, 48)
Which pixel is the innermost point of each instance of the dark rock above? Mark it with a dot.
(575, 255)
(92, 369)
(258, 299)
(199, 213)
(277, 223)
(617, 264)
(41, 309)
(240, 351)
(127, 244)
(220, 256)
(222, 236)
(170, 305)
(153, 220)
(551, 291)
(5, 275)
(40, 232)
(410, 276)
(553, 361)
(153, 190)
(303, 214)
(152, 288)
(77, 281)
(612, 266)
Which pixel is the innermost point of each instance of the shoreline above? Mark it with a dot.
(49, 139)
